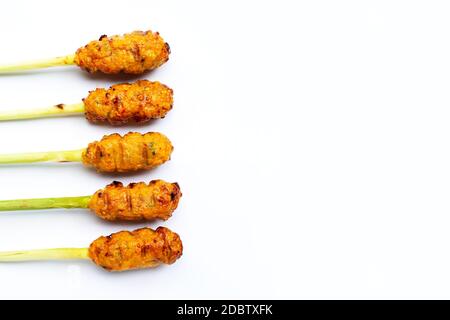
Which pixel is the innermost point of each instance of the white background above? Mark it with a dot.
(311, 145)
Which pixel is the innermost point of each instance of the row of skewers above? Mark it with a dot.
(137, 102)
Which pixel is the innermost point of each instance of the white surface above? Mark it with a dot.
(311, 145)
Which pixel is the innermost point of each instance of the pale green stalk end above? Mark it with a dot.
(52, 156)
(39, 64)
(58, 110)
(45, 203)
(45, 254)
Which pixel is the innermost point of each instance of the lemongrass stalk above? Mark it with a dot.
(45, 203)
(53, 111)
(44, 254)
(38, 64)
(51, 156)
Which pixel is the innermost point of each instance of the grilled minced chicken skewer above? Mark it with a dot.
(133, 53)
(124, 250)
(123, 103)
(113, 153)
(135, 202)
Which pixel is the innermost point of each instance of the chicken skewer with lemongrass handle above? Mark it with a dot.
(133, 53)
(116, 202)
(123, 103)
(121, 251)
(113, 153)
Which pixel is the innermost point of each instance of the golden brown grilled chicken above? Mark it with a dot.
(137, 201)
(133, 53)
(142, 248)
(123, 103)
(132, 152)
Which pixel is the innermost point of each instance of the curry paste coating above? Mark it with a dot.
(132, 53)
(131, 152)
(141, 248)
(137, 201)
(123, 103)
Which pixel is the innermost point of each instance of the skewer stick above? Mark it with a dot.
(44, 254)
(45, 203)
(53, 111)
(58, 156)
(46, 63)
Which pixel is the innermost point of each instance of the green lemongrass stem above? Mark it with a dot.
(39, 64)
(53, 111)
(51, 156)
(45, 203)
(44, 254)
